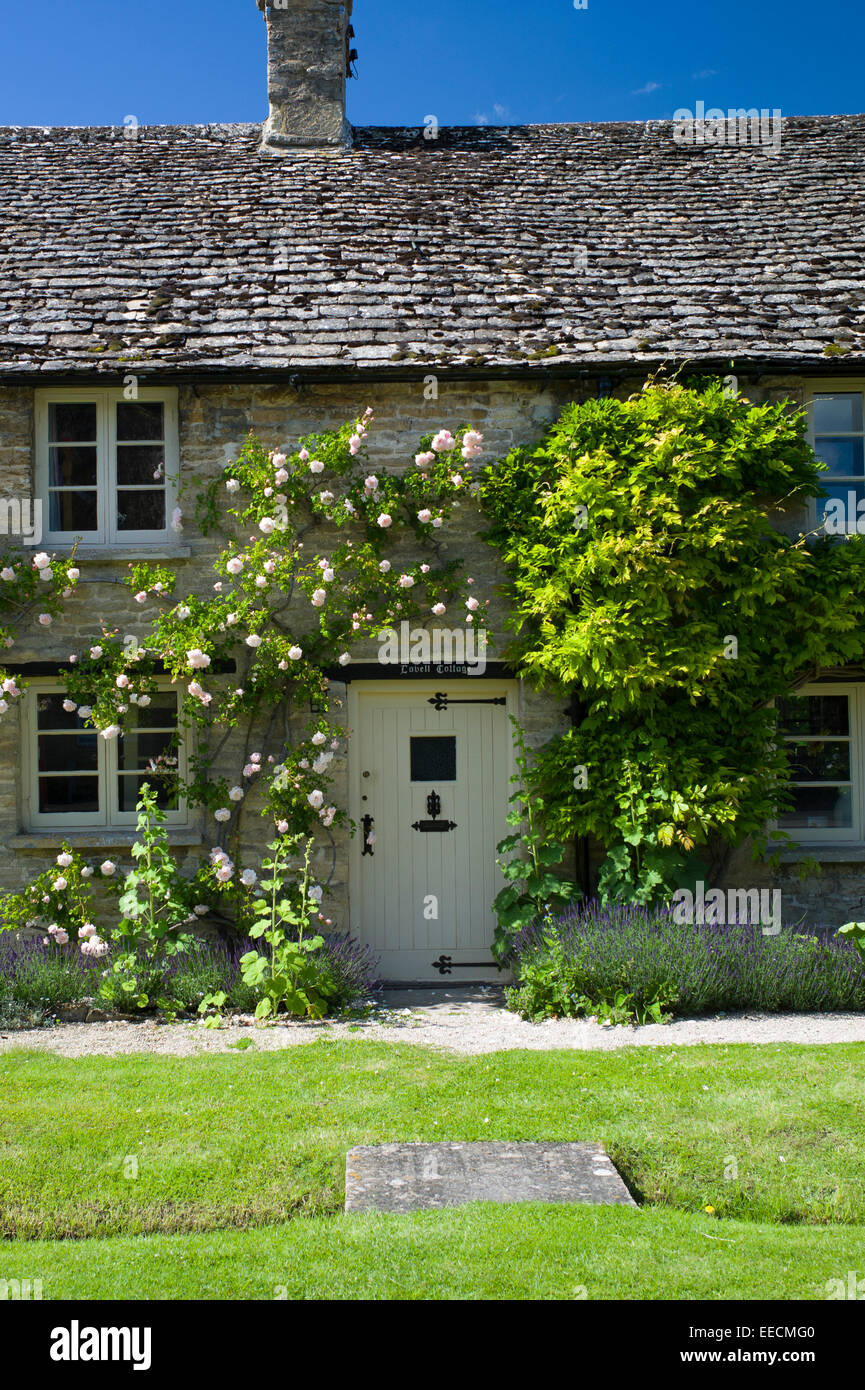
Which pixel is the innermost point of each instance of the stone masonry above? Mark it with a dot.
(214, 420)
(306, 75)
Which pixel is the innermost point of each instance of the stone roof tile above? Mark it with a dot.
(186, 250)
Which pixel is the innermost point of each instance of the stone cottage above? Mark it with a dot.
(282, 278)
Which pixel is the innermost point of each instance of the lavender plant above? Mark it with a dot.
(574, 965)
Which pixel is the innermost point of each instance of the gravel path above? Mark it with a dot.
(468, 1020)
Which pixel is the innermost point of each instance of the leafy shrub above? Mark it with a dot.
(632, 533)
(587, 960)
(531, 890)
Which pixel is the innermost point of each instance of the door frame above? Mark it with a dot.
(488, 687)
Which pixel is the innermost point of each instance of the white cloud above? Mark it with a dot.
(647, 90)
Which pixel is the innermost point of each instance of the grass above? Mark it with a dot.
(477, 1252)
(141, 1144)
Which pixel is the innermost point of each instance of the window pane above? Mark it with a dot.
(68, 795)
(819, 808)
(137, 750)
(433, 759)
(161, 713)
(73, 511)
(838, 414)
(68, 753)
(141, 511)
(137, 464)
(74, 423)
(72, 465)
(128, 792)
(144, 420)
(815, 714)
(50, 713)
(844, 457)
(819, 762)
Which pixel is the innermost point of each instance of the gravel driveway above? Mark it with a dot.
(467, 1020)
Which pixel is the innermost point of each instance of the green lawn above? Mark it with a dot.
(478, 1252)
(138, 1144)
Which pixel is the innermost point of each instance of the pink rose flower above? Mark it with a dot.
(443, 441)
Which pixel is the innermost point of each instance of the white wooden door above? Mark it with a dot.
(419, 762)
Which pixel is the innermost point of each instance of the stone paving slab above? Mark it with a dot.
(409, 1177)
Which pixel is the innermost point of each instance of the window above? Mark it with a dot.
(822, 726)
(106, 467)
(434, 759)
(77, 778)
(838, 438)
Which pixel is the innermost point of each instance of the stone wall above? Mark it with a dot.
(214, 421)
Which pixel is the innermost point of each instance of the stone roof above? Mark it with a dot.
(187, 251)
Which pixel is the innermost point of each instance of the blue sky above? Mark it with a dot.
(94, 62)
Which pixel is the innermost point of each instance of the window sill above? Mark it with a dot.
(828, 853)
(114, 553)
(97, 838)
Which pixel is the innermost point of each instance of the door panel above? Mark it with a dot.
(423, 893)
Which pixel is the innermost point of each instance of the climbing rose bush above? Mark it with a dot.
(60, 903)
(319, 551)
(34, 590)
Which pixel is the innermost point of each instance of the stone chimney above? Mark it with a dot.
(309, 57)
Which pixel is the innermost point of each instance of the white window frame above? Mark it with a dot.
(855, 834)
(108, 817)
(105, 399)
(846, 386)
